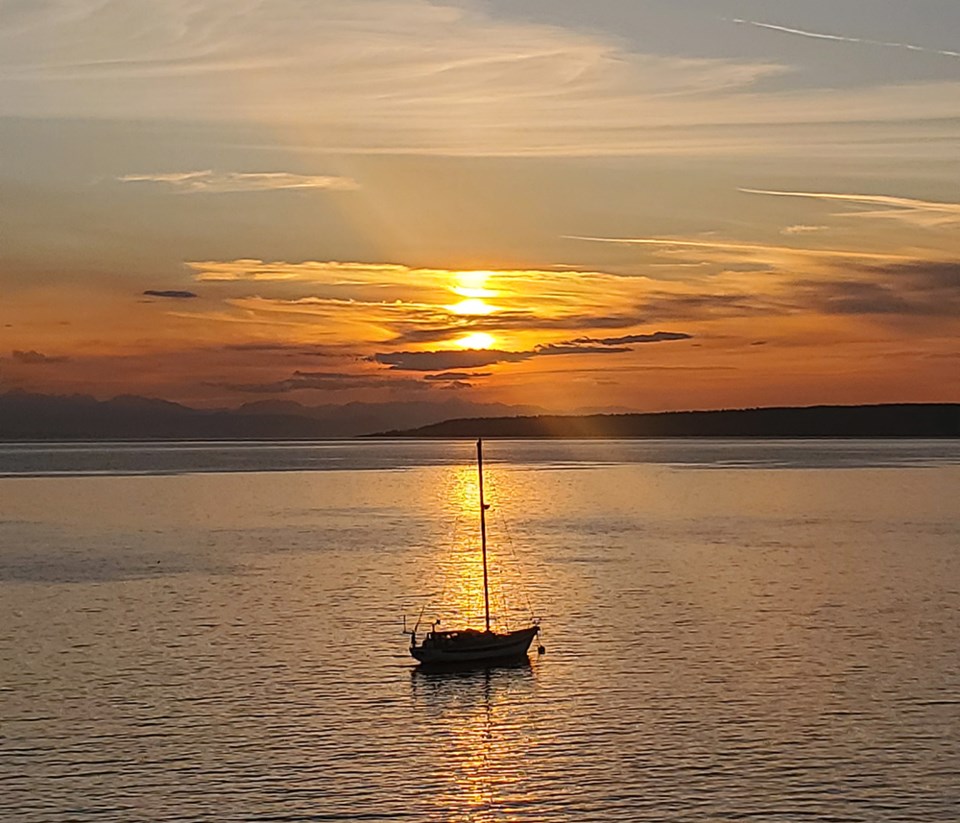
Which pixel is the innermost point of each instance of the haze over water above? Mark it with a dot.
(734, 630)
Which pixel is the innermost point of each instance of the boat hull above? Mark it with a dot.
(485, 648)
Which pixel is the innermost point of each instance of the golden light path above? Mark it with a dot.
(458, 566)
(484, 755)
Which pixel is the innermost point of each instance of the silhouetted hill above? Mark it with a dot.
(79, 417)
(349, 419)
(888, 420)
(26, 416)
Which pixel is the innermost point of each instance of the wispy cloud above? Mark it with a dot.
(402, 318)
(572, 347)
(630, 339)
(332, 272)
(843, 38)
(475, 358)
(443, 360)
(176, 294)
(456, 376)
(722, 245)
(921, 290)
(210, 182)
(928, 213)
(420, 305)
(420, 77)
(801, 228)
(373, 75)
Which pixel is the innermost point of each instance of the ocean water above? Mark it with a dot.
(735, 631)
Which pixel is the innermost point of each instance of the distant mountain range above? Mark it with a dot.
(26, 416)
(935, 420)
(79, 417)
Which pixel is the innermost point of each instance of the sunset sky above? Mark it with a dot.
(623, 204)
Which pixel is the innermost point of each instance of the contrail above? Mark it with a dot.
(919, 212)
(836, 37)
(866, 199)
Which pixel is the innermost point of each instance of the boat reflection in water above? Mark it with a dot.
(468, 646)
(485, 718)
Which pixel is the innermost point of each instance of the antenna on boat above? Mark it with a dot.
(483, 535)
(419, 618)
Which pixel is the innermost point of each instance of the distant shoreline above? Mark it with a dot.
(890, 420)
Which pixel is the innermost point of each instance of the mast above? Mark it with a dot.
(483, 535)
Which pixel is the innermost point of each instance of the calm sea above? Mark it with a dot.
(735, 631)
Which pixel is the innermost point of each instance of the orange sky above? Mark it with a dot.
(414, 200)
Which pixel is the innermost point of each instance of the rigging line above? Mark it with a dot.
(452, 542)
(506, 530)
(513, 552)
(500, 595)
(498, 558)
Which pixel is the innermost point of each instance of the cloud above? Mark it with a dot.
(209, 182)
(927, 213)
(370, 304)
(411, 76)
(720, 245)
(925, 274)
(456, 376)
(576, 348)
(35, 358)
(475, 358)
(802, 229)
(174, 293)
(884, 290)
(854, 297)
(371, 75)
(310, 271)
(717, 300)
(444, 360)
(917, 289)
(844, 39)
(419, 77)
(401, 306)
(655, 337)
(426, 331)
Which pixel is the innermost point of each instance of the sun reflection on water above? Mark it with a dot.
(481, 715)
(456, 572)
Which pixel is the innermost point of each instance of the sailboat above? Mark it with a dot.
(472, 646)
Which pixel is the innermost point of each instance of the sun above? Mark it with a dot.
(477, 340)
(473, 284)
(474, 305)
